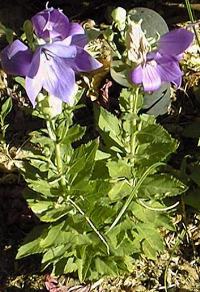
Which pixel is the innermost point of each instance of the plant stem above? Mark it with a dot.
(189, 10)
(59, 165)
(133, 123)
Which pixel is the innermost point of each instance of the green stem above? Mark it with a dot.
(189, 10)
(59, 165)
(133, 123)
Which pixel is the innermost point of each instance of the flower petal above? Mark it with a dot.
(175, 42)
(51, 23)
(16, 58)
(59, 49)
(75, 28)
(137, 75)
(84, 62)
(60, 79)
(151, 77)
(34, 79)
(169, 69)
(79, 40)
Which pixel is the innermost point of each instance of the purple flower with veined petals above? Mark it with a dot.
(52, 66)
(162, 65)
(52, 24)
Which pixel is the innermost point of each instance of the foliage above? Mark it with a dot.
(102, 203)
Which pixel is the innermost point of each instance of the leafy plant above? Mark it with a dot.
(101, 204)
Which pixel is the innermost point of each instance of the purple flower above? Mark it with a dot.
(52, 66)
(52, 24)
(162, 65)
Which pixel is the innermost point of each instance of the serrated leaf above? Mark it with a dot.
(109, 124)
(156, 217)
(161, 186)
(151, 240)
(53, 233)
(70, 266)
(43, 187)
(83, 162)
(105, 268)
(74, 134)
(53, 254)
(120, 190)
(119, 168)
(31, 243)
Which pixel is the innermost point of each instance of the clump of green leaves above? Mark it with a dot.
(103, 203)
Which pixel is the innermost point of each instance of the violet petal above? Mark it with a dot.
(137, 75)
(60, 80)
(16, 58)
(60, 50)
(35, 77)
(175, 42)
(84, 62)
(169, 69)
(51, 23)
(151, 77)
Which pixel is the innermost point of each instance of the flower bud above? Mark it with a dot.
(49, 105)
(136, 42)
(119, 17)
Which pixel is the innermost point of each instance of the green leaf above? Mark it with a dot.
(74, 134)
(43, 187)
(53, 215)
(70, 266)
(6, 108)
(119, 168)
(151, 240)
(53, 233)
(161, 186)
(119, 72)
(104, 267)
(157, 218)
(20, 80)
(120, 190)
(82, 162)
(192, 198)
(28, 29)
(83, 263)
(53, 254)
(109, 124)
(39, 207)
(31, 243)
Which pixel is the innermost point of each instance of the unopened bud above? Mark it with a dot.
(136, 42)
(119, 17)
(50, 105)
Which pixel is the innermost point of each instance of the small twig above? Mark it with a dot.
(158, 209)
